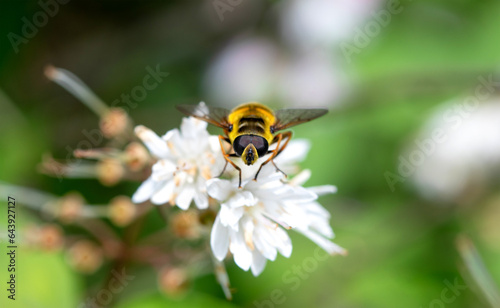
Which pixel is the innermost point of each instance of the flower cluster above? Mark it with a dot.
(251, 220)
(181, 168)
(186, 160)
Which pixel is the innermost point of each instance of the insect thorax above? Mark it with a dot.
(251, 119)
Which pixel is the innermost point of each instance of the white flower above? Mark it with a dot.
(295, 152)
(457, 151)
(309, 23)
(246, 70)
(256, 69)
(186, 160)
(248, 222)
(312, 78)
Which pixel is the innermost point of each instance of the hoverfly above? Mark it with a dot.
(251, 128)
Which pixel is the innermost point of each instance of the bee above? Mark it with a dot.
(251, 129)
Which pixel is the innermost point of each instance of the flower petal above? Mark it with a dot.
(201, 200)
(323, 190)
(230, 217)
(163, 170)
(300, 178)
(219, 239)
(295, 152)
(324, 243)
(144, 191)
(241, 253)
(284, 244)
(244, 198)
(185, 197)
(258, 264)
(263, 244)
(219, 189)
(164, 194)
(156, 145)
(300, 194)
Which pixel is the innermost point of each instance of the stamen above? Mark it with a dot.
(278, 222)
(177, 180)
(172, 199)
(210, 157)
(248, 239)
(192, 171)
(205, 173)
(172, 148)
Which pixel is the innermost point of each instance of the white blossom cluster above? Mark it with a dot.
(253, 220)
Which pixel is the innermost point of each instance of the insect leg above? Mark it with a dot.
(277, 139)
(225, 165)
(274, 152)
(288, 136)
(223, 152)
(226, 157)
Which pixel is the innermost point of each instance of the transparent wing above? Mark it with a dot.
(213, 115)
(286, 118)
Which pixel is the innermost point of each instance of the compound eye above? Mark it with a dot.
(241, 142)
(261, 145)
(239, 145)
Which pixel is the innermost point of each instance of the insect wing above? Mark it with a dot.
(213, 115)
(286, 118)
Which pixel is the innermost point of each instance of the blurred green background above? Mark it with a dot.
(402, 246)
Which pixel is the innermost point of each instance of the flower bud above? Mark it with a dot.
(70, 207)
(114, 123)
(122, 211)
(173, 281)
(136, 156)
(85, 256)
(51, 237)
(186, 225)
(109, 171)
